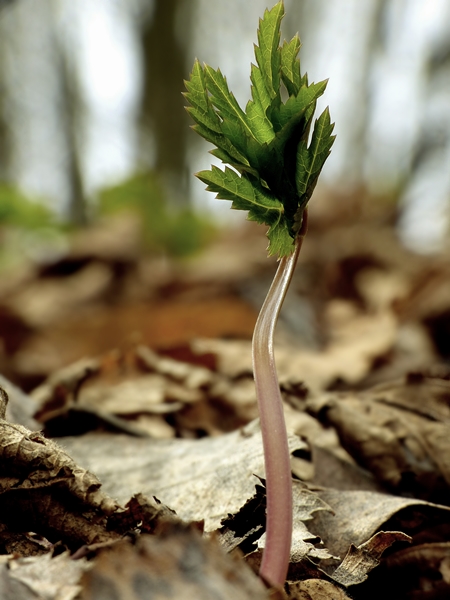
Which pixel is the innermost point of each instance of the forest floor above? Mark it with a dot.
(131, 458)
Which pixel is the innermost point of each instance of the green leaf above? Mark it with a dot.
(311, 160)
(224, 100)
(274, 171)
(268, 54)
(281, 242)
(223, 143)
(208, 123)
(247, 194)
(201, 109)
(290, 66)
(297, 105)
(265, 77)
(256, 109)
(239, 166)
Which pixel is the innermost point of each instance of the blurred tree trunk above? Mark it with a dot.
(5, 142)
(163, 115)
(38, 104)
(70, 118)
(4, 135)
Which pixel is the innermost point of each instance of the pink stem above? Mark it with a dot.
(275, 560)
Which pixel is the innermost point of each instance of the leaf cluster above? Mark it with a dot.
(273, 168)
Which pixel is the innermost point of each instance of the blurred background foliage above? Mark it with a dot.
(177, 231)
(92, 116)
(19, 210)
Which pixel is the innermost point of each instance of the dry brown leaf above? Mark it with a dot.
(361, 515)
(315, 589)
(358, 515)
(179, 564)
(143, 388)
(200, 479)
(333, 471)
(244, 529)
(398, 431)
(21, 407)
(48, 301)
(356, 341)
(359, 561)
(422, 570)
(43, 490)
(304, 543)
(43, 577)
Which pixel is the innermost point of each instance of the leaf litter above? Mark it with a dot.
(367, 406)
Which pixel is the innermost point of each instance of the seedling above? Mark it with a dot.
(275, 164)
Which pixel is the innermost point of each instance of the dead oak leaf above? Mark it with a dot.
(400, 432)
(421, 570)
(207, 478)
(365, 524)
(358, 515)
(52, 578)
(315, 589)
(356, 341)
(43, 490)
(178, 564)
(138, 392)
(244, 529)
(359, 561)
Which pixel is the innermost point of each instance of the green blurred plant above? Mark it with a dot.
(28, 229)
(177, 232)
(18, 210)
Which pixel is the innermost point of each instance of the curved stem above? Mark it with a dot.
(275, 560)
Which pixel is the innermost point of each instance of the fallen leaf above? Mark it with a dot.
(21, 407)
(355, 343)
(207, 478)
(179, 564)
(315, 589)
(143, 393)
(43, 490)
(46, 577)
(358, 515)
(359, 561)
(244, 529)
(399, 431)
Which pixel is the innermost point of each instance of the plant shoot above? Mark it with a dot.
(274, 162)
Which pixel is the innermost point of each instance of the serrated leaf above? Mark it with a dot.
(274, 171)
(265, 77)
(208, 123)
(298, 104)
(245, 194)
(201, 109)
(249, 195)
(268, 53)
(281, 243)
(290, 66)
(311, 160)
(223, 143)
(227, 159)
(256, 109)
(224, 100)
(261, 157)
